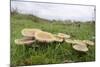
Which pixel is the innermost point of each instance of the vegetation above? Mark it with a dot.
(52, 53)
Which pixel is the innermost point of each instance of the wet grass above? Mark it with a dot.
(52, 53)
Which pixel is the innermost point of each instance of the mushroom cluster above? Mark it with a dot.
(31, 35)
(80, 45)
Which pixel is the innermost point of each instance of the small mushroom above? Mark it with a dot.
(24, 40)
(70, 41)
(64, 36)
(58, 39)
(78, 42)
(88, 42)
(80, 47)
(29, 32)
(44, 37)
(74, 41)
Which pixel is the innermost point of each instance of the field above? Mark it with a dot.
(52, 53)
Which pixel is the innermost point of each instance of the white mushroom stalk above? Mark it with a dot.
(29, 32)
(44, 37)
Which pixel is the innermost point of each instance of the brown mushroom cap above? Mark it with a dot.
(44, 37)
(88, 42)
(81, 48)
(23, 41)
(64, 36)
(29, 32)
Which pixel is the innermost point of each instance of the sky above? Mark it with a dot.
(53, 11)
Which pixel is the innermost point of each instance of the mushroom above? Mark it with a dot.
(58, 39)
(64, 36)
(78, 42)
(24, 40)
(70, 41)
(80, 47)
(74, 41)
(44, 37)
(88, 42)
(29, 32)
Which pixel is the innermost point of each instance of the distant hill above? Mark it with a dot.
(38, 19)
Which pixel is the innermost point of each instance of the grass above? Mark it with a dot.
(52, 53)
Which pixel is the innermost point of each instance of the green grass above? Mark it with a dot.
(52, 53)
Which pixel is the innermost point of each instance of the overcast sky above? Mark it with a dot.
(55, 11)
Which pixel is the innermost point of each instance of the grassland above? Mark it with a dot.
(49, 53)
